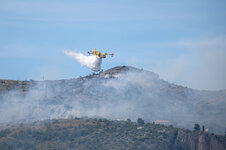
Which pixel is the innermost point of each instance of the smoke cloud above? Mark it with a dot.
(92, 62)
(131, 94)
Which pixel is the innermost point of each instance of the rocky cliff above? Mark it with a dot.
(196, 140)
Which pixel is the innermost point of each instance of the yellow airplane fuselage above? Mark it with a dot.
(99, 54)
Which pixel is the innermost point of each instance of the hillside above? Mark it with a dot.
(118, 93)
(80, 133)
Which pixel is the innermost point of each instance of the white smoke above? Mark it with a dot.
(92, 62)
(130, 94)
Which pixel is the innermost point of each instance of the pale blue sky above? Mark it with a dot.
(183, 41)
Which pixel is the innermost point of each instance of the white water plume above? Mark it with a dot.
(92, 62)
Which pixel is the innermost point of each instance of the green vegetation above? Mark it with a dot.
(80, 133)
(197, 127)
(86, 134)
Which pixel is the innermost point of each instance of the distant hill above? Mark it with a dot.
(103, 134)
(118, 93)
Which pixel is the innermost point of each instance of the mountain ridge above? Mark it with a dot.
(118, 93)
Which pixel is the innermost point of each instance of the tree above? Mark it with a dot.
(129, 120)
(197, 127)
(203, 128)
(140, 121)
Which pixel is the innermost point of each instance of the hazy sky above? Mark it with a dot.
(183, 41)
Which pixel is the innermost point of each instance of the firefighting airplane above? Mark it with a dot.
(99, 54)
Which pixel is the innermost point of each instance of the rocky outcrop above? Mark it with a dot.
(115, 70)
(187, 140)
